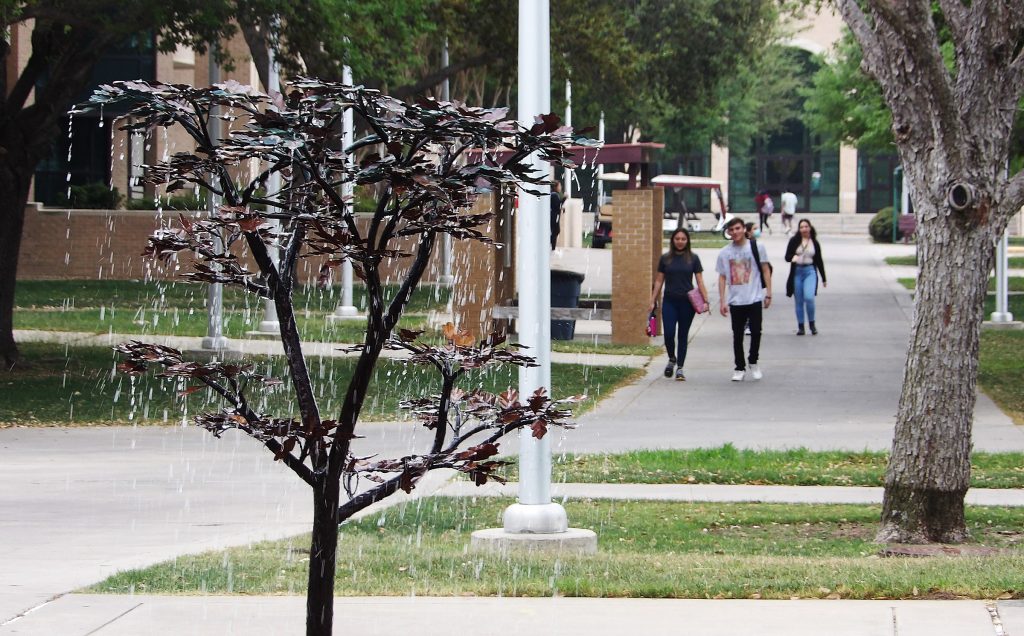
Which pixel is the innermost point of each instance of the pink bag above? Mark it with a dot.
(697, 301)
(652, 325)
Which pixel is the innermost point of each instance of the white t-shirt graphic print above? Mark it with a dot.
(740, 270)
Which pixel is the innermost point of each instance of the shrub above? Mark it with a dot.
(880, 227)
(188, 201)
(91, 196)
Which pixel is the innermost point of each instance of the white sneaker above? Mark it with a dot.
(737, 375)
(755, 372)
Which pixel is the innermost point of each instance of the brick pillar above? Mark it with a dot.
(481, 278)
(635, 253)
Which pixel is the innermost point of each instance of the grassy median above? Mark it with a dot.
(656, 550)
(58, 385)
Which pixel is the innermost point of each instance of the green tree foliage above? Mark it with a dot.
(844, 105)
(712, 71)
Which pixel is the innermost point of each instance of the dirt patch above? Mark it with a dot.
(938, 549)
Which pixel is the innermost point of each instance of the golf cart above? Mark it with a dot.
(603, 222)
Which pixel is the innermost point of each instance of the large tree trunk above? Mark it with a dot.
(323, 556)
(929, 467)
(14, 188)
(952, 128)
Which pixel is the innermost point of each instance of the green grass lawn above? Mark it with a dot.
(729, 465)
(1014, 262)
(1015, 302)
(131, 295)
(132, 307)
(1001, 368)
(58, 385)
(646, 549)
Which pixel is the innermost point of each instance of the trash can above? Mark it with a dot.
(565, 292)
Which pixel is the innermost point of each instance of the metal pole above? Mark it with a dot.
(1002, 312)
(345, 309)
(534, 513)
(567, 177)
(446, 248)
(215, 338)
(270, 324)
(600, 171)
(897, 200)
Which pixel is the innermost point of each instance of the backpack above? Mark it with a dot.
(757, 261)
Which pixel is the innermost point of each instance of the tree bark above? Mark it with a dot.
(929, 466)
(323, 556)
(14, 180)
(952, 129)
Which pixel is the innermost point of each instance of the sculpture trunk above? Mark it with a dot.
(323, 555)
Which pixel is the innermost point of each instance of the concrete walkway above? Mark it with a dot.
(81, 503)
(111, 615)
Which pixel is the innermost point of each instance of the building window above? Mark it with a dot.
(875, 185)
(86, 156)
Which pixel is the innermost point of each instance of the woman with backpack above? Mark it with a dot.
(678, 268)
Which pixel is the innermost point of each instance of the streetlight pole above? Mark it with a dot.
(567, 188)
(270, 324)
(534, 522)
(215, 339)
(346, 310)
(446, 252)
(534, 512)
(1002, 312)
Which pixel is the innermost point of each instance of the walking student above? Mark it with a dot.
(678, 268)
(745, 289)
(805, 263)
(788, 202)
(765, 212)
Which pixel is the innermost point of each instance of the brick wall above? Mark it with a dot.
(481, 278)
(94, 244)
(635, 253)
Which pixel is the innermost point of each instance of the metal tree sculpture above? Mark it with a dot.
(427, 162)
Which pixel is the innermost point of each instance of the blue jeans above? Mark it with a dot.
(805, 283)
(677, 313)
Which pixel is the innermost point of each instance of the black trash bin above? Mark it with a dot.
(565, 292)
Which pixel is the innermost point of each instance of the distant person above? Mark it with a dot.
(805, 262)
(745, 289)
(787, 201)
(556, 212)
(765, 212)
(678, 268)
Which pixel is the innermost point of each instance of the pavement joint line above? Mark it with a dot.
(114, 620)
(20, 615)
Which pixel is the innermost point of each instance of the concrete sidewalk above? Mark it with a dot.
(87, 615)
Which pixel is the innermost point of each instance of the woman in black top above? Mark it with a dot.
(804, 257)
(677, 269)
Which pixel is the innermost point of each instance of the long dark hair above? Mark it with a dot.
(686, 252)
(814, 233)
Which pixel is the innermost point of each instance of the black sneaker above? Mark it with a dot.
(669, 368)
(814, 330)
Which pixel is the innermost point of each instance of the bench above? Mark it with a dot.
(907, 225)
(588, 310)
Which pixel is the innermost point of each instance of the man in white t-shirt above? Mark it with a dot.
(745, 288)
(788, 202)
